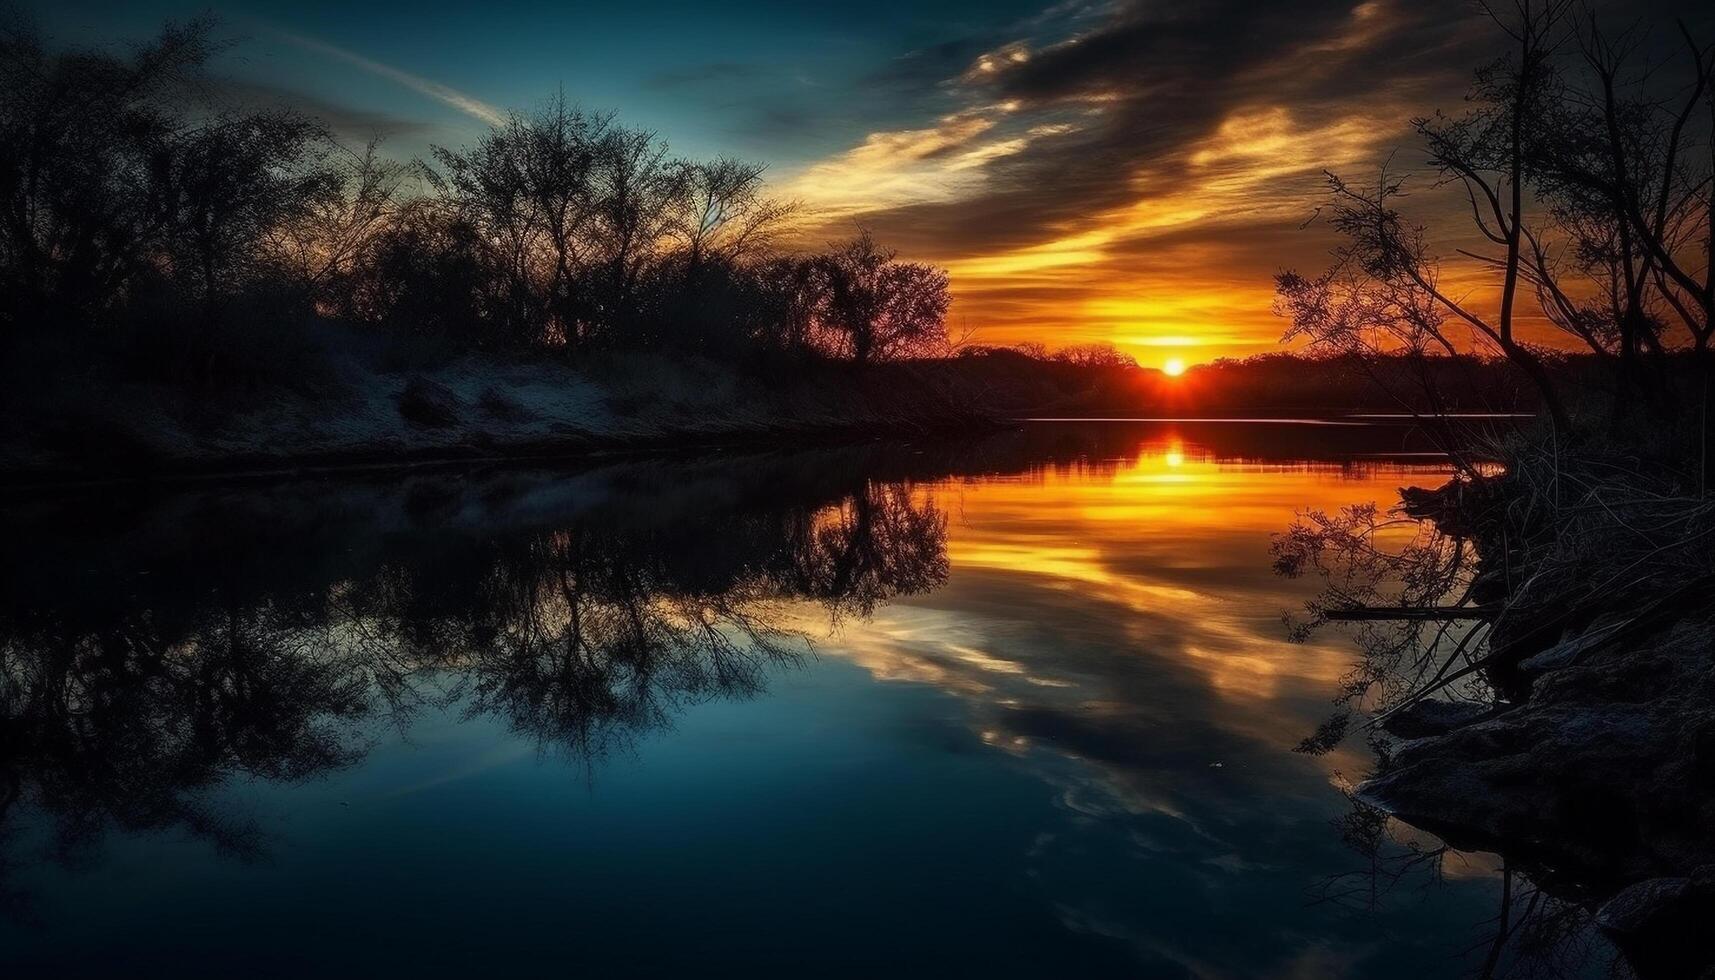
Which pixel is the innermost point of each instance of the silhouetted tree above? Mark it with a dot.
(136, 205)
(529, 190)
(362, 195)
(602, 237)
(1100, 356)
(790, 291)
(725, 218)
(881, 308)
(88, 145)
(1579, 170)
(1625, 166)
(226, 185)
(1385, 279)
(124, 204)
(428, 271)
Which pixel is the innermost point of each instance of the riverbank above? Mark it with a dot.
(329, 397)
(359, 413)
(1592, 765)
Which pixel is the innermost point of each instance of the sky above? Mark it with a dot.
(1130, 172)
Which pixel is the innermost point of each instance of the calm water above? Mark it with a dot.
(1019, 708)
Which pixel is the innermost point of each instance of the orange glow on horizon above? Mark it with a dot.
(1173, 367)
(1186, 263)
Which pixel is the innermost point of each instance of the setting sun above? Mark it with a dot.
(1174, 367)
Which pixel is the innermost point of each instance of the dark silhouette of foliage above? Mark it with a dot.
(89, 146)
(1585, 171)
(1096, 356)
(147, 222)
(879, 308)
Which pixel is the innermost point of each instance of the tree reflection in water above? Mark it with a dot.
(1543, 924)
(146, 661)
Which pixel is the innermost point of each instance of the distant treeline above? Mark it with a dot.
(145, 217)
(1095, 379)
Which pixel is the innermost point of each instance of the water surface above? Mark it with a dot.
(1017, 708)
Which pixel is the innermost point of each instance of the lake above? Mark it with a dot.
(1021, 707)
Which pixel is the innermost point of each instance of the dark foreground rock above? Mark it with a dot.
(1609, 766)
(429, 403)
(1661, 924)
(1431, 717)
(1605, 774)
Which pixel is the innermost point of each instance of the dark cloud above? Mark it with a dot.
(776, 122)
(931, 67)
(935, 67)
(348, 123)
(1147, 83)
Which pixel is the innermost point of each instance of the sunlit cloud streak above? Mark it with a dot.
(467, 104)
(1130, 152)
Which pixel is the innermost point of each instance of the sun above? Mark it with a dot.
(1174, 367)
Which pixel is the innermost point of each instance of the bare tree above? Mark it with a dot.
(529, 187)
(228, 184)
(725, 216)
(641, 190)
(129, 197)
(82, 213)
(362, 195)
(1094, 356)
(1631, 173)
(879, 307)
(1385, 283)
(428, 271)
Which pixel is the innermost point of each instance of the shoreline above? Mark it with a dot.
(576, 448)
(1589, 765)
(572, 448)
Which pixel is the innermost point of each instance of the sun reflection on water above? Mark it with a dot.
(1115, 626)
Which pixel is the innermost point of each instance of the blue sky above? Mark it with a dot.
(782, 81)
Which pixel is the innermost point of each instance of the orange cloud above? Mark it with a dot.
(1194, 188)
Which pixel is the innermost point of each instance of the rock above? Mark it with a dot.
(1601, 774)
(1572, 649)
(429, 404)
(1554, 658)
(1431, 717)
(1634, 909)
(495, 404)
(1661, 925)
(1459, 507)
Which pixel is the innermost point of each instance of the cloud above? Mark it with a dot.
(897, 168)
(927, 68)
(467, 104)
(1140, 138)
